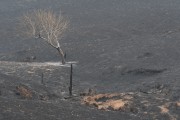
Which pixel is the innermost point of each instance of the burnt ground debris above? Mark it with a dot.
(121, 46)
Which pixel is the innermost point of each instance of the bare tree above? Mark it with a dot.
(45, 25)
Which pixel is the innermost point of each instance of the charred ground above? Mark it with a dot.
(121, 46)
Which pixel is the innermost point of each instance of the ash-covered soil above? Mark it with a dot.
(118, 47)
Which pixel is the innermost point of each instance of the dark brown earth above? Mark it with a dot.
(125, 47)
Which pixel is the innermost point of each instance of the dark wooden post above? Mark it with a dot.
(70, 85)
(42, 78)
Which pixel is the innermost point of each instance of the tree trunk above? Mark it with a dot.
(62, 55)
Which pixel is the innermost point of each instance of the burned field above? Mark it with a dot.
(125, 57)
(24, 95)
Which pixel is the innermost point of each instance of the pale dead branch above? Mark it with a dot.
(45, 25)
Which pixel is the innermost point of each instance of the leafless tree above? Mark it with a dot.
(45, 25)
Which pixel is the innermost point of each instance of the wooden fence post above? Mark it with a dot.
(70, 84)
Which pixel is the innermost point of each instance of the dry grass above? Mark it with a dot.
(24, 91)
(131, 102)
(107, 101)
(164, 109)
(178, 104)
